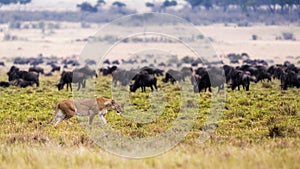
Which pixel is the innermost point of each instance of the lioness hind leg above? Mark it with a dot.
(91, 118)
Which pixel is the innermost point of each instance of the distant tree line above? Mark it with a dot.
(271, 5)
(7, 2)
(87, 7)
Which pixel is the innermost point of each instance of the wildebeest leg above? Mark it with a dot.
(209, 89)
(78, 86)
(233, 86)
(155, 86)
(83, 83)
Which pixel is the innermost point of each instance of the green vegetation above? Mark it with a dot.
(258, 129)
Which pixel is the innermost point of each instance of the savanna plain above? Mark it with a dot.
(259, 128)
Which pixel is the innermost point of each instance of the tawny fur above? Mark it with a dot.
(85, 107)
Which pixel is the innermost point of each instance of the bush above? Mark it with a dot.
(254, 37)
(288, 36)
(15, 25)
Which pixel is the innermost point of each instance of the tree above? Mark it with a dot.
(100, 3)
(149, 4)
(119, 4)
(87, 7)
(168, 3)
(194, 3)
(7, 2)
(23, 2)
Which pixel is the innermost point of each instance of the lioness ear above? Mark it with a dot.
(113, 101)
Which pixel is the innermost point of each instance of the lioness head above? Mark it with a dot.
(113, 105)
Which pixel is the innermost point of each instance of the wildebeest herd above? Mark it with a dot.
(251, 71)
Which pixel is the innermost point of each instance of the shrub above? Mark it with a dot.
(254, 37)
(288, 36)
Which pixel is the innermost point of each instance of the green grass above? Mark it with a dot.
(258, 129)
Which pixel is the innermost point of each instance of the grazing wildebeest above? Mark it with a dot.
(115, 62)
(173, 76)
(4, 84)
(123, 76)
(15, 74)
(143, 80)
(36, 69)
(2, 64)
(290, 79)
(240, 77)
(24, 83)
(108, 70)
(87, 71)
(55, 68)
(153, 71)
(71, 77)
(206, 78)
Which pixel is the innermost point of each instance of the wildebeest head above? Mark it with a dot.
(133, 87)
(60, 85)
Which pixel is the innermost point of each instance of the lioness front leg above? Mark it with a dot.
(102, 118)
(59, 117)
(101, 115)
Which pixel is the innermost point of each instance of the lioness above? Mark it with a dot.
(85, 107)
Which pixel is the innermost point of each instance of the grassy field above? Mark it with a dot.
(258, 129)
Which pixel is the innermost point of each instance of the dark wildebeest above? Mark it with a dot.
(36, 69)
(108, 70)
(4, 84)
(206, 78)
(123, 76)
(173, 76)
(143, 80)
(24, 83)
(15, 74)
(55, 68)
(71, 77)
(240, 77)
(87, 71)
(289, 79)
(2, 64)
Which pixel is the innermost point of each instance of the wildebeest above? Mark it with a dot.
(2, 64)
(173, 76)
(15, 74)
(71, 77)
(153, 71)
(24, 83)
(108, 70)
(4, 84)
(36, 69)
(206, 78)
(143, 80)
(55, 68)
(240, 77)
(123, 76)
(87, 71)
(289, 79)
